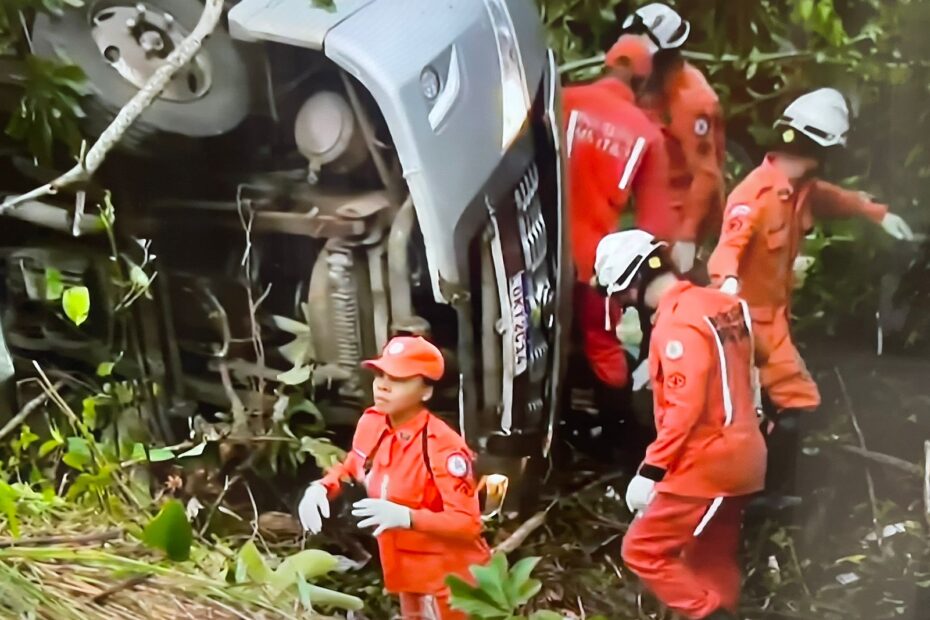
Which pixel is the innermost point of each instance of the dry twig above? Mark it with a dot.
(868, 473)
(40, 541)
(26, 411)
(522, 533)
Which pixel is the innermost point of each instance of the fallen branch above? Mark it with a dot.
(522, 533)
(48, 541)
(88, 165)
(884, 459)
(127, 584)
(26, 411)
(873, 500)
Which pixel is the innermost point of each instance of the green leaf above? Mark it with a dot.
(53, 284)
(324, 597)
(251, 566)
(295, 376)
(519, 577)
(76, 304)
(78, 454)
(89, 412)
(473, 601)
(170, 531)
(546, 615)
(303, 593)
(9, 499)
(308, 564)
(105, 369)
(48, 447)
(527, 591)
(491, 579)
(155, 455)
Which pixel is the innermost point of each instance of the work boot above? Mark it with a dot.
(784, 448)
(720, 614)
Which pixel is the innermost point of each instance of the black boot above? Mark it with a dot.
(784, 452)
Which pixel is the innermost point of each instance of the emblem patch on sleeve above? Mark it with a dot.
(457, 465)
(676, 381)
(701, 127)
(674, 349)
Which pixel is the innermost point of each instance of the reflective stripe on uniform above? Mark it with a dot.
(570, 134)
(724, 377)
(753, 371)
(705, 520)
(632, 162)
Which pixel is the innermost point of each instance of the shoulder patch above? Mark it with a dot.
(702, 126)
(674, 349)
(457, 465)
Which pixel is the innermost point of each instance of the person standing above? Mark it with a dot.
(614, 154)
(766, 218)
(679, 100)
(422, 499)
(709, 456)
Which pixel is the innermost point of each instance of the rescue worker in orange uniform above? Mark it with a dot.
(766, 219)
(422, 500)
(614, 153)
(678, 98)
(709, 455)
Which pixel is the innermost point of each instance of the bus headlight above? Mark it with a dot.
(515, 95)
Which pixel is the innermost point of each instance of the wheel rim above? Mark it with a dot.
(136, 39)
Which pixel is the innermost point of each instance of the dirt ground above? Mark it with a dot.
(813, 562)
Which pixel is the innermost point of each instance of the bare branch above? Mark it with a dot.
(868, 473)
(523, 532)
(26, 411)
(111, 136)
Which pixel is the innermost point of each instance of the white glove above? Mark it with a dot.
(640, 493)
(730, 286)
(641, 376)
(683, 253)
(313, 508)
(381, 513)
(802, 265)
(895, 226)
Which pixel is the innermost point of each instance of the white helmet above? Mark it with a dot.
(664, 26)
(821, 115)
(619, 257)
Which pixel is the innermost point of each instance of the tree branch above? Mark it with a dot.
(26, 411)
(111, 136)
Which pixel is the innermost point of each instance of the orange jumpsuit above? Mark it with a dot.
(692, 123)
(438, 486)
(709, 454)
(614, 151)
(766, 219)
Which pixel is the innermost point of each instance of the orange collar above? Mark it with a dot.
(774, 178)
(670, 300)
(410, 428)
(617, 88)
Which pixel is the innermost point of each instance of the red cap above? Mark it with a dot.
(637, 50)
(409, 356)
